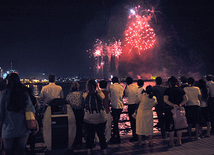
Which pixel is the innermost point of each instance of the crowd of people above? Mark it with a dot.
(100, 106)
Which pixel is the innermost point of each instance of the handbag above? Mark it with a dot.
(31, 121)
(95, 118)
(179, 117)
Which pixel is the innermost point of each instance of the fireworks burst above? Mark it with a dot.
(102, 53)
(139, 34)
(114, 48)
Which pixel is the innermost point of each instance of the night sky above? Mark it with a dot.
(52, 36)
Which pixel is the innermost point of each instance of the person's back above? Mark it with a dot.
(116, 95)
(210, 85)
(131, 92)
(193, 94)
(140, 89)
(158, 91)
(13, 103)
(51, 91)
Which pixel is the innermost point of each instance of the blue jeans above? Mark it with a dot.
(18, 144)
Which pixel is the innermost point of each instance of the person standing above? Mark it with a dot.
(95, 116)
(193, 107)
(174, 97)
(106, 104)
(210, 85)
(205, 118)
(13, 127)
(131, 92)
(116, 97)
(75, 99)
(50, 91)
(144, 118)
(158, 92)
(140, 89)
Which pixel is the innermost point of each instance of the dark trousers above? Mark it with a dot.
(161, 120)
(32, 141)
(116, 116)
(79, 115)
(100, 130)
(131, 110)
(211, 112)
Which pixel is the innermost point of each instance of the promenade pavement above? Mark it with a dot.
(203, 146)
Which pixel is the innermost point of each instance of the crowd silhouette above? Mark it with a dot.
(97, 110)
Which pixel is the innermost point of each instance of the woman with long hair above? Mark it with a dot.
(95, 115)
(13, 102)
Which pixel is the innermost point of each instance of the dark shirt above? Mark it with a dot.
(158, 91)
(175, 94)
(106, 101)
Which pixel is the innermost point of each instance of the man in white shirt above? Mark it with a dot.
(51, 91)
(116, 97)
(210, 86)
(131, 92)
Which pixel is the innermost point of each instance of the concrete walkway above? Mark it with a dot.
(204, 146)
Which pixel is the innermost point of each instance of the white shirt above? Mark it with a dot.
(50, 92)
(193, 94)
(131, 93)
(116, 96)
(210, 85)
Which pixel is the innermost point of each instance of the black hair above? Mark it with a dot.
(91, 85)
(173, 81)
(149, 91)
(209, 77)
(103, 84)
(203, 87)
(18, 98)
(191, 81)
(51, 78)
(115, 79)
(184, 79)
(129, 80)
(158, 80)
(140, 83)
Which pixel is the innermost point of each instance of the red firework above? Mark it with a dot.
(139, 34)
